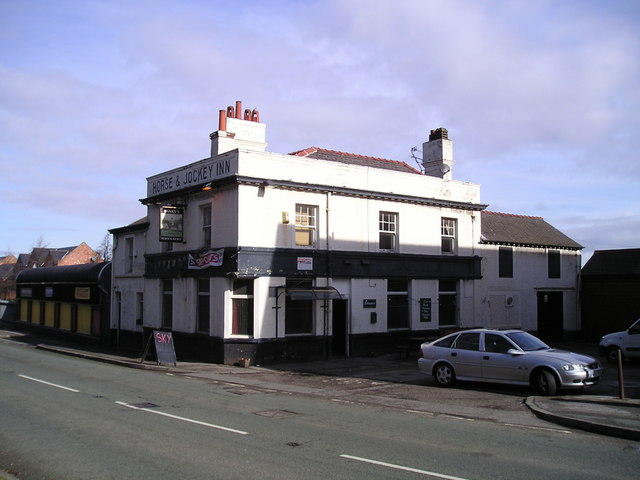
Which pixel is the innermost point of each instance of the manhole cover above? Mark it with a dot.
(276, 413)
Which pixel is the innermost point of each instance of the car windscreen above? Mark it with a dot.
(527, 342)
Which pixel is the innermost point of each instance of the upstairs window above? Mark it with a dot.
(448, 229)
(505, 262)
(128, 247)
(306, 223)
(205, 213)
(553, 262)
(388, 229)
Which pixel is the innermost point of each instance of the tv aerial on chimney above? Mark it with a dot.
(418, 160)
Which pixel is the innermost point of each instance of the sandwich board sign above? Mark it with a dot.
(165, 350)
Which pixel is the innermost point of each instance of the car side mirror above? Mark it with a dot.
(515, 352)
(633, 331)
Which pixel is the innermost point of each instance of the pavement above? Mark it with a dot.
(389, 382)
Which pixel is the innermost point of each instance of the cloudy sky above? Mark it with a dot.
(541, 99)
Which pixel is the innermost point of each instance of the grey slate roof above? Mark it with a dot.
(624, 262)
(140, 224)
(520, 230)
(353, 159)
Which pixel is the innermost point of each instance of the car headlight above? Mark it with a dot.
(572, 367)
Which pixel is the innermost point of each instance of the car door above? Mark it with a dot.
(631, 346)
(466, 356)
(497, 364)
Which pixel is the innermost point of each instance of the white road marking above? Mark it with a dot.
(420, 412)
(184, 419)
(531, 427)
(49, 383)
(400, 467)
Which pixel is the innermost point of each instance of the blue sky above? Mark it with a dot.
(541, 99)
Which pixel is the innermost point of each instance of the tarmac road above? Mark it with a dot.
(391, 382)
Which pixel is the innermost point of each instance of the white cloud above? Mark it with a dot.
(540, 98)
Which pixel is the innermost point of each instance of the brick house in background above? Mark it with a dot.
(7, 272)
(53, 257)
(40, 257)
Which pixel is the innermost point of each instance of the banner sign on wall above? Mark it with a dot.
(171, 220)
(211, 258)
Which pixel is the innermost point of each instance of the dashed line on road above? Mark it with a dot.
(419, 412)
(402, 467)
(184, 419)
(62, 387)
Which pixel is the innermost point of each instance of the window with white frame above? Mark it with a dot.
(306, 225)
(388, 230)
(242, 306)
(397, 303)
(447, 302)
(205, 214)
(128, 249)
(448, 227)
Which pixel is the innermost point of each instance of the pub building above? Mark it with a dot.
(249, 254)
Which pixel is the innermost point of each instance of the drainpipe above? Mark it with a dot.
(473, 254)
(328, 346)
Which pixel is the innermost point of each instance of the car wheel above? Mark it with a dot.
(444, 374)
(546, 383)
(612, 355)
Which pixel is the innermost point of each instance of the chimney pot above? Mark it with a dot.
(222, 120)
(439, 134)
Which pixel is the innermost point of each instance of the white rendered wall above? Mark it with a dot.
(530, 275)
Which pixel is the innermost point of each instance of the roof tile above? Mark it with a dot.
(354, 159)
(509, 229)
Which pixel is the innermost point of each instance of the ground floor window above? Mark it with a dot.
(447, 302)
(397, 304)
(203, 305)
(56, 315)
(139, 308)
(167, 304)
(242, 304)
(298, 313)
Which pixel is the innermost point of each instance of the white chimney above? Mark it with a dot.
(234, 131)
(437, 154)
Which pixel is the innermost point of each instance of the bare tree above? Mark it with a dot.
(105, 248)
(41, 242)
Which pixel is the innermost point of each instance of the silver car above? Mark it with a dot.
(506, 356)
